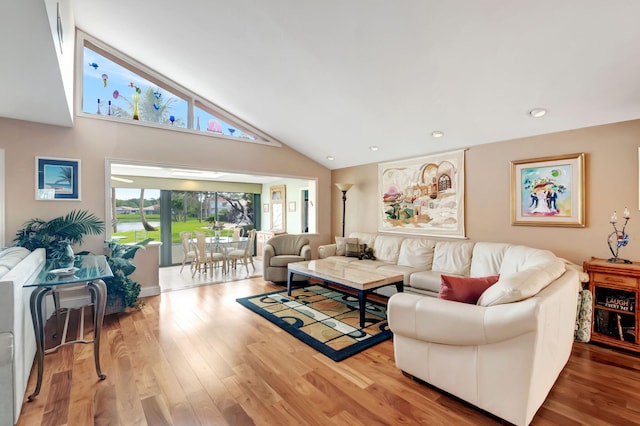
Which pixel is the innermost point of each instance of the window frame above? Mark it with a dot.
(193, 100)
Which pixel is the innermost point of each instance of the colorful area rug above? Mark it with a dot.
(324, 318)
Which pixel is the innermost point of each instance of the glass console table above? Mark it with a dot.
(87, 270)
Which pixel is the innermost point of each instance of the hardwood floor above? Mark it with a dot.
(197, 357)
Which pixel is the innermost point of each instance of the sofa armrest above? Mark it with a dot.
(306, 252)
(454, 323)
(267, 253)
(327, 250)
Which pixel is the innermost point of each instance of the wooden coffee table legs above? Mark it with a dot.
(362, 294)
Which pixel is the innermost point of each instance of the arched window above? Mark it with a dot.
(444, 183)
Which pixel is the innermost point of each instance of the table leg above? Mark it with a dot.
(98, 290)
(289, 280)
(400, 286)
(362, 304)
(35, 304)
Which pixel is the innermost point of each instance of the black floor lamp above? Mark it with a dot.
(344, 187)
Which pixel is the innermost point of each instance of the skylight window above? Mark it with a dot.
(114, 86)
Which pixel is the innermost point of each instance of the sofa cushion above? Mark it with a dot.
(284, 260)
(463, 289)
(406, 271)
(523, 284)
(341, 243)
(417, 253)
(426, 280)
(452, 257)
(487, 258)
(387, 248)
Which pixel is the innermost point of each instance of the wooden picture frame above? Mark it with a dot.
(548, 191)
(57, 179)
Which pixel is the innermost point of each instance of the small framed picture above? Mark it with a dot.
(57, 179)
(548, 191)
(292, 206)
(265, 208)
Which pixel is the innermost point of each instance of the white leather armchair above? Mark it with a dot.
(502, 358)
(281, 250)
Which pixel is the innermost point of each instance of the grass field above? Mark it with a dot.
(191, 225)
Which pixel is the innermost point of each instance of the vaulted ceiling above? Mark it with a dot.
(332, 78)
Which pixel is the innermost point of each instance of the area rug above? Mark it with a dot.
(324, 318)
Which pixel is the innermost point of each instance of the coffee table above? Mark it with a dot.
(363, 281)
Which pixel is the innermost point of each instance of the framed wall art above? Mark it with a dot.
(548, 191)
(423, 196)
(57, 179)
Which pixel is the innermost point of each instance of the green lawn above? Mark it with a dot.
(192, 225)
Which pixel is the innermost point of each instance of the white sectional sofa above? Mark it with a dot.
(17, 341)
(501, 354)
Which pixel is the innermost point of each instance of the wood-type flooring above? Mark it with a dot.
(197, 357)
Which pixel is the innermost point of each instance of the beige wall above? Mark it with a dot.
(611, 184)
(94, 140)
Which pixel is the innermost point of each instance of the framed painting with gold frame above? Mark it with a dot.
(548, 191)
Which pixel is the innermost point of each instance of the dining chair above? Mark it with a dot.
(206, 258)
(189, 251)
(244, 254)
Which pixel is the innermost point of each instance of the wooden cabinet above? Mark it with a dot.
(615, 288)
(262, 237)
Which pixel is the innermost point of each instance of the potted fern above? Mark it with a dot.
(59, 234)
(122, 291)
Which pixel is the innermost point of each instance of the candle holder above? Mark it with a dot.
(618, 238)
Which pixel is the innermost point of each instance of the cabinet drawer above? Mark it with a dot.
(599, 277)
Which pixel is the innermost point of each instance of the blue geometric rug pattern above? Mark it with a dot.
(324, 318)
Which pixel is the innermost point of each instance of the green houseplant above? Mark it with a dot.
(122, 291)
(58, 234)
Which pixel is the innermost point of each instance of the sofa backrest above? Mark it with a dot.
(386, 248)
(453, 257)
(487, 259)
(288, 243)
(367, 238)
(417, 253)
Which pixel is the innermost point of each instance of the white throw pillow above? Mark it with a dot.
(522, 285)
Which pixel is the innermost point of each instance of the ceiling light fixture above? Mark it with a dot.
(437, 134)
(538, 112)
(330, 158)
(373, 148)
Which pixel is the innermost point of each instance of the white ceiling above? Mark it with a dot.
(333, 77)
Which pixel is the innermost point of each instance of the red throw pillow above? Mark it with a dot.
(467, 290)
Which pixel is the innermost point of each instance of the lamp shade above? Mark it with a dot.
(344, 186)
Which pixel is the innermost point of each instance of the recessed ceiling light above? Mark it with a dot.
(373, 148)
(437, 134)
(538, 112)
(330, 158)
